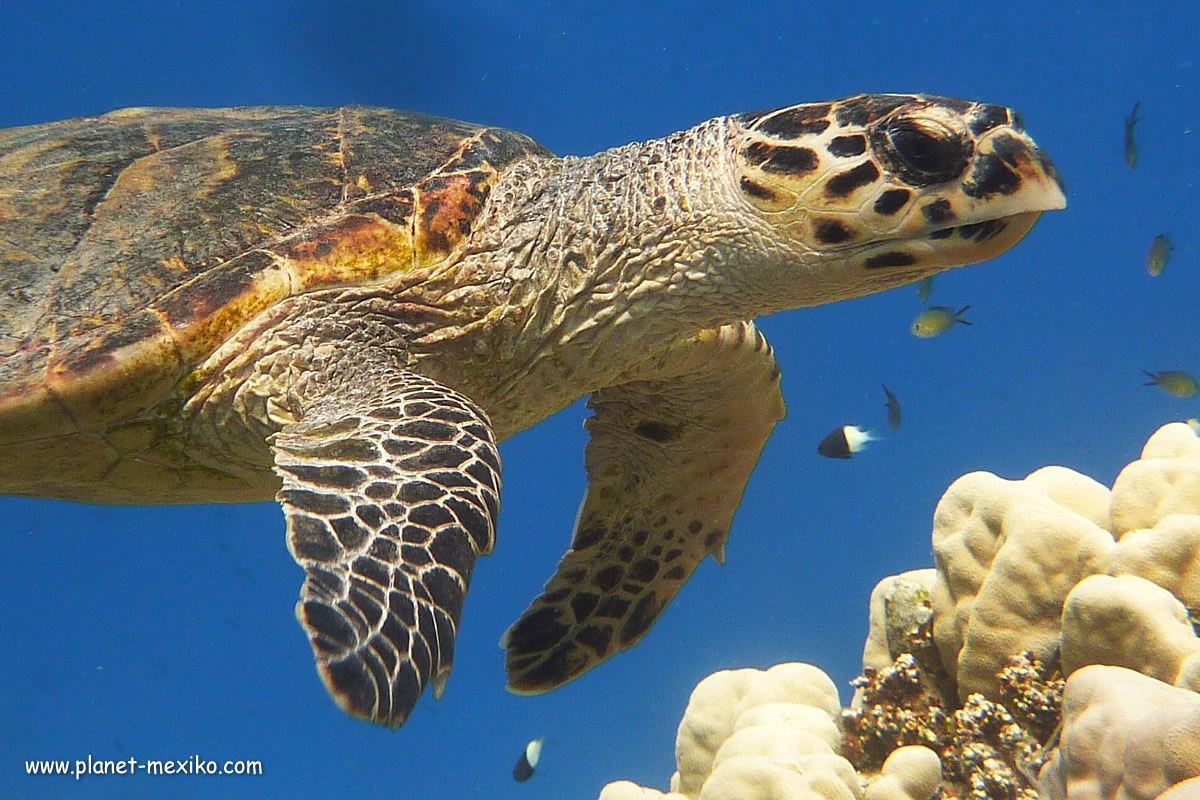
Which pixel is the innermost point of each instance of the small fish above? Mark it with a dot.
(1158, 255)
(528, 761)
(924, 288)
(935, 320)
(1194, 424)
(844, 442)
(1173, 382)
(893, 409)
(1131, 148)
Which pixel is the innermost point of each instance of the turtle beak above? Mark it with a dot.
(1013, 176)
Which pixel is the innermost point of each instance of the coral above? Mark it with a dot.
(1164, 481)
(984, 749)
(1167, 554)
(1032, 694)
(1054, 652)
(909, 773)
(1007, 554)
(628, 790)
(898, 706)
(1125, 735)
(1128, 621)
(1184, 790)
(718, 701)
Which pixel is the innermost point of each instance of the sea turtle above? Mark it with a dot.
(346, 309)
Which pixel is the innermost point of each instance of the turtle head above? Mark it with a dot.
(879, 190)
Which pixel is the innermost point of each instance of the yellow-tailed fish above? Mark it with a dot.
(844, 441)
(1130, 147)
(935, 320)
(924, 288)
(1158, 255)
(1194, 424)
(1173, 382)
(893, 409)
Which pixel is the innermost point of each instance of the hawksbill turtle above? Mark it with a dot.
(347, 309)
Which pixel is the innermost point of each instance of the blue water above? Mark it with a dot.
(167, 633)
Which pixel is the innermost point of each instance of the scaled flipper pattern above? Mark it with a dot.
(667, 462)
(389, 497)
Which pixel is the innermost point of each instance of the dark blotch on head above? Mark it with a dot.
(991, 176)
(791, 161)
(831, 231)
(953, 103)
(892, 201)
(845, 146)
(756, 190)
(1008, 148)
(656, 431)
(844, 184)
(792, 123)
(864, 108)
(890, 259)
(981, 231)
(987, 117)
(938, 211)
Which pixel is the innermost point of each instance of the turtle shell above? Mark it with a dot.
(133, 244)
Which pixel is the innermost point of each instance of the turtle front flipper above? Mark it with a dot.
(667, 462)
(390, 496)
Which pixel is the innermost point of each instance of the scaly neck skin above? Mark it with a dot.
(608, 260)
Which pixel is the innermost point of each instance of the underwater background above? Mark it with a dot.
(165, 633)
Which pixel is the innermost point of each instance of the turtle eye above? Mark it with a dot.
(931, 153)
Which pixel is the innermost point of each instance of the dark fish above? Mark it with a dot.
(893, 409)
(1130, 147)
(527, 763)
(844, 442)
